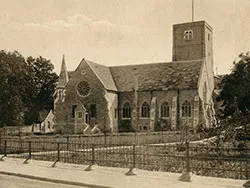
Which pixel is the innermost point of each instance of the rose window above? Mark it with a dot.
(83, 88)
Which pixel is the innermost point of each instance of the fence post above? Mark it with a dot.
(67, 143)
(105, 138)
(131, 170)
(186, 175)
(58, 155)
(247, 171)
(5, 148)
(29, 155)
(135, 138)
(58, 151)
(29, 149)
(247, 184)
(93, 154)
(89, 168)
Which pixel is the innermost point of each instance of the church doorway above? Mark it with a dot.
(86, 119)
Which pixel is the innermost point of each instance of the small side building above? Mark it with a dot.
(46, 123)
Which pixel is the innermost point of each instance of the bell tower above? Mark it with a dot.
(59, 98)
(193, 41)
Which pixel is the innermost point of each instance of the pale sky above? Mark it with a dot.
(116, 32)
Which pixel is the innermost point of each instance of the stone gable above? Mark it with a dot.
(95, 97)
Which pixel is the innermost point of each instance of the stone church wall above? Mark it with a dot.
(161, 96)
(188, 95)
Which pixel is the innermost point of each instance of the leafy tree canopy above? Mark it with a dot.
(235, 92)
(27, 87)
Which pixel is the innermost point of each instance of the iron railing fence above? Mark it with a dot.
(110, 138)
(171, 157)
(229, 162)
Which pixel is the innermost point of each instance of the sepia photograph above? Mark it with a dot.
(125, 93)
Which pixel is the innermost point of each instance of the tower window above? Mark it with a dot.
(145, 110)
(208, 36)
(188, 35)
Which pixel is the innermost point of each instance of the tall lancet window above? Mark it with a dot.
(145, 110)
(186, 109)
(126, 111)
(164, 110)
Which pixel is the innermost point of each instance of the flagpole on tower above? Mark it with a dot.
(192, 10)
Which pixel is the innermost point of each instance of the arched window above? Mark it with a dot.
(126, 111)
(48, 124)
(145, 110)
(164, 109)
(186, 109)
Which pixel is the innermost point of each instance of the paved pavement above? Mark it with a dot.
(7, 181)
(107, 177)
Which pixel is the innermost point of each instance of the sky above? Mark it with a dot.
(119, 32)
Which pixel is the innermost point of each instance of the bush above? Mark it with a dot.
(125, 125)
(162, 125)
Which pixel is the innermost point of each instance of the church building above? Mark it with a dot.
(145, 97)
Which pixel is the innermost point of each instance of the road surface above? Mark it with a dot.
(17, 182)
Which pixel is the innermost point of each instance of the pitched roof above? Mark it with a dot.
(104, 75)
(158, 76)
(154, 76)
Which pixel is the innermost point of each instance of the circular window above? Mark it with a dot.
(83, 88)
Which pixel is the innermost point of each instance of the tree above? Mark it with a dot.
(27, 87)
(12, 72)
(235, 92)
(42, 81)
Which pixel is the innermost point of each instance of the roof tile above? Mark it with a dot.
(158, 76)
(104, 75)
